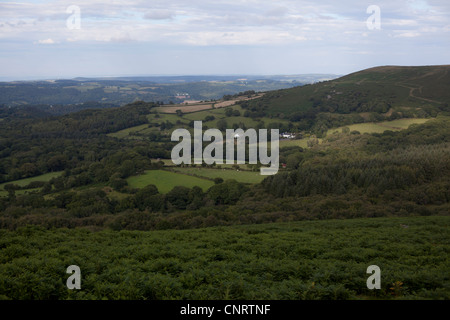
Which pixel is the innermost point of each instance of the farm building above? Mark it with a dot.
(286, 135)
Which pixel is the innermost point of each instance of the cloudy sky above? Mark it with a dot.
(64, 39)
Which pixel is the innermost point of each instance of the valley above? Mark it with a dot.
(363, 179)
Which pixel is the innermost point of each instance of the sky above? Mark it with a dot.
(57, 39)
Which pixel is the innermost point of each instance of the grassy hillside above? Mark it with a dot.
(392, 92)
(379, 127)
(166, 181)
(225, 174)
(25, 182)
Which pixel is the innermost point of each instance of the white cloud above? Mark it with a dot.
(159, 14)
(47, 41)
(201, 21)
(266, 37)
(293, 28)
(407, 35)
(401, 22)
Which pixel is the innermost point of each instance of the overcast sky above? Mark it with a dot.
(45, 39)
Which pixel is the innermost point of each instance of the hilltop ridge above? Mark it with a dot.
(374, 94)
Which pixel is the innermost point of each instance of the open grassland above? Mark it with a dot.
(225, 174)
(282, 261)
(294, 142)
(380, 127)
(163, 117)
(166, 180)
(23, 182)
(125, 133)
(185, 108)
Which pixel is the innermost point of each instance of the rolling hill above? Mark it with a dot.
(387, 92)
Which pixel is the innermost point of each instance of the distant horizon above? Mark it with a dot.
(32, 78)
(105, 77)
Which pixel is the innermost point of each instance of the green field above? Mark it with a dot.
(295, 142)
(166, 180)
(125, 133)
(280, 261)
(219, 114)
(380, 127)
(225, 174)
(23, 182)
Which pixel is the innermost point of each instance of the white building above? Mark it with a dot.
(286, 135)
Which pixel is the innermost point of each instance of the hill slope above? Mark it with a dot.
(391, 91)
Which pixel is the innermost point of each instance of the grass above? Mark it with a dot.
(294, 142)
(112, 194)
(162, 117)
(184, 121)
(219, 114)
(380, 127)
(166, 180)
(200, 106)
(126, 132)
(225, 174)
(23, 182)
(184, 108)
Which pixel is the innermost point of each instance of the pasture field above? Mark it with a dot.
(307, 260)
(23, 182)
(185, 108)
(167, 162)
(194, 107)
(125, 133)
(294, 142)
(162, 117)
(380, 127)
(166, 180)
(218, 114)
(212, 112)
(225, 174)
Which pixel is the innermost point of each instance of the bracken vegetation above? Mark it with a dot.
(295, 261)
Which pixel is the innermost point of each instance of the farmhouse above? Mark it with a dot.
(286, 135)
